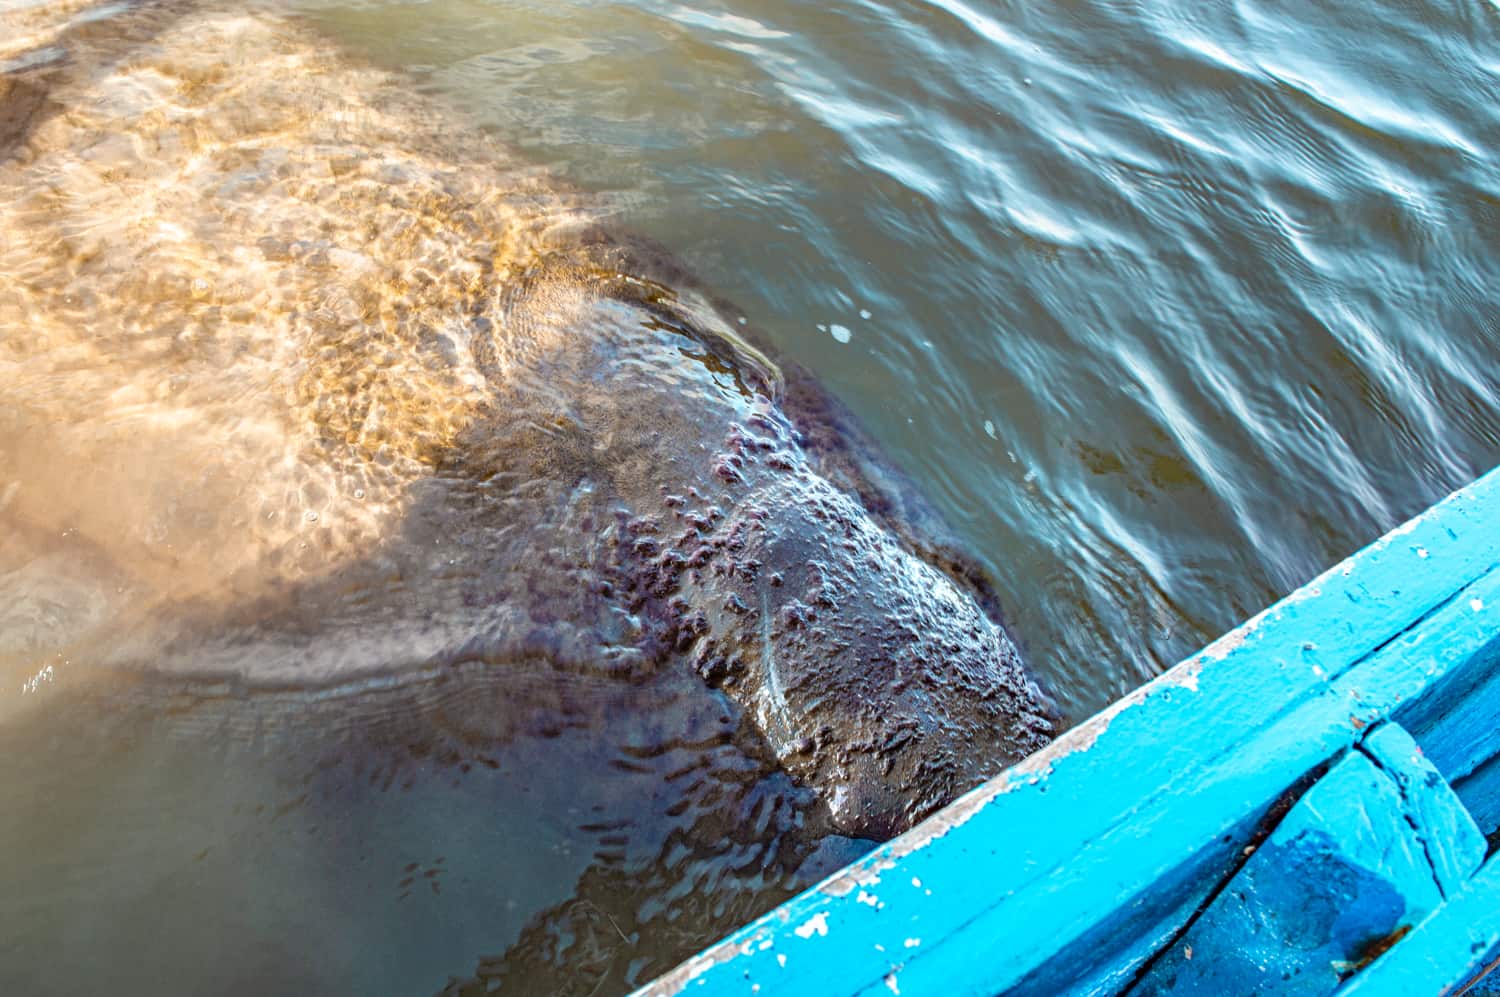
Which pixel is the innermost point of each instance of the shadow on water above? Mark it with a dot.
(272, 845)
(507, 825)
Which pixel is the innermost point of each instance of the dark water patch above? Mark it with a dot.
(378, 838)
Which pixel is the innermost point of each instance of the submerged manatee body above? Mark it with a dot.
(365, 396)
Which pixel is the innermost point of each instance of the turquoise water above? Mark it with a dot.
(1167, 306)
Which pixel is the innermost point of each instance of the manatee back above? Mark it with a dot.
(241, 277)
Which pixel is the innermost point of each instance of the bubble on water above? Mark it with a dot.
(864, 313)
(741, 320)
(359, 493)
(312, 517)
(989, 427)
(822, 327)
(840, 333)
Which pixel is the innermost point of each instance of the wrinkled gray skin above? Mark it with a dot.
(638, 488)
(739, 543)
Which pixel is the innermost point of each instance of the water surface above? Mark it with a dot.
(1171, 306)
(1167, 306)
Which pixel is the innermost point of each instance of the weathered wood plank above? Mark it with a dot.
(1456, 721)
(1481, 795)
(1060, 853)
(1363, 856)
(1451, 841)
(1458, 724)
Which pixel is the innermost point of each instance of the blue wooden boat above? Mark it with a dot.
(1306, 806)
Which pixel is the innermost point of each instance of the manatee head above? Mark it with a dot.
(869, 665)
(788, 579)
(875, 675)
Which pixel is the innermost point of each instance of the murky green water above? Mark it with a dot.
(1168, 306)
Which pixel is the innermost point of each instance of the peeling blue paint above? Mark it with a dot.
(1451, 841)
(1354, 863)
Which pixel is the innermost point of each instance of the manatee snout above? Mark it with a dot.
(757, 546)
(924, 740)
(875, 675)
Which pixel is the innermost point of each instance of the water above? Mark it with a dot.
(1166, 306)
(1218, 280)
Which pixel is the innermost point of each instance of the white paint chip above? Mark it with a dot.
(1476, 604)
(781, 959)
(840, 333)
(989, 427)
(864, 313)
(815, 925)
(868, 899)
(1422, 552)
(912, 943)
(916, 882)
(890, 982)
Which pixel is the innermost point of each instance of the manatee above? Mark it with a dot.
(331, 388)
